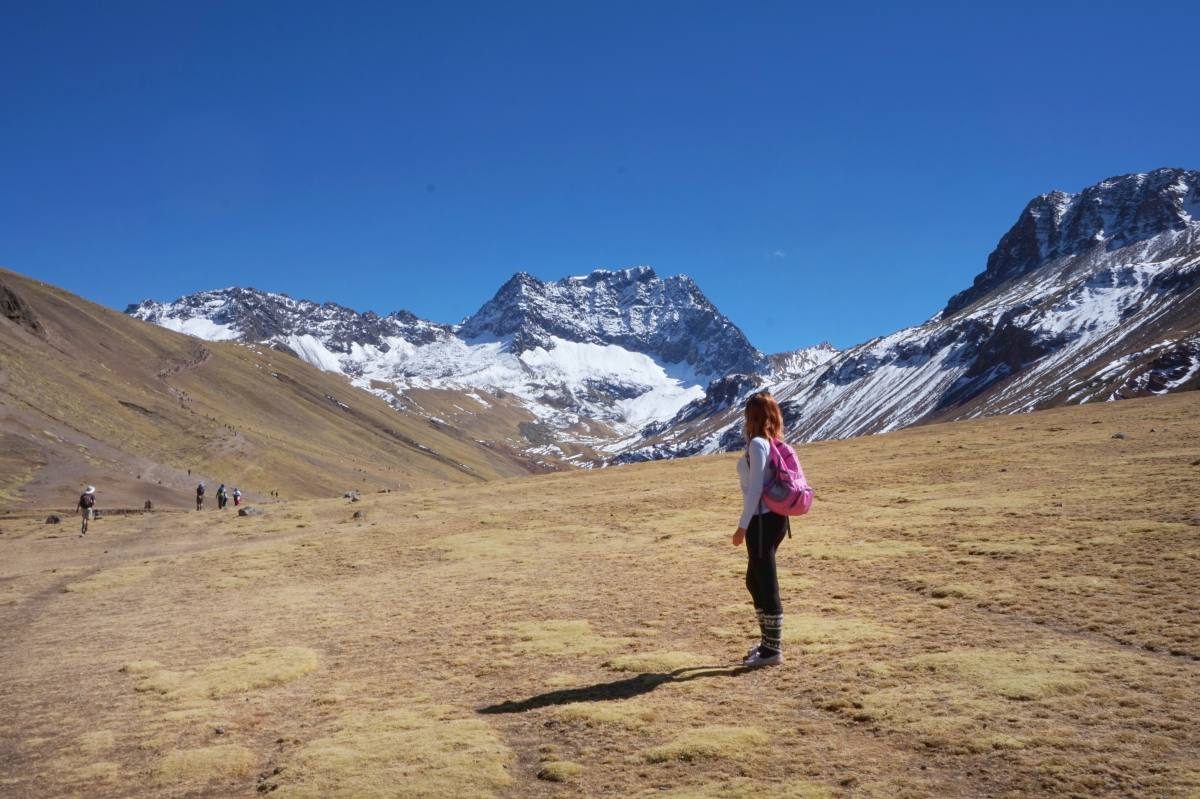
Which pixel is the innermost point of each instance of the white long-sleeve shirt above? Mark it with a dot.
(752, 472)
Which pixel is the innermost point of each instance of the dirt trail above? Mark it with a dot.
(200, 356)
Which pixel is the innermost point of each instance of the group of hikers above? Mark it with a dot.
(223, 496)
(773, 490)
(86, 506)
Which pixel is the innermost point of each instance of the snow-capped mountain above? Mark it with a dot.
(790, 365)
(669, 319)
(1090, 296)
(248, 314)
(620, 348)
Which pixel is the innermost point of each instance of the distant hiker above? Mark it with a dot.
(200, 496)
(761, 529)
(237, 497)
(222, 497)
(86, 507)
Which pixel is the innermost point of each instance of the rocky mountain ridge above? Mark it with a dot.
(1089, 296)
(668, 318)
(1113, 214)
(249, 314)
(582, 360)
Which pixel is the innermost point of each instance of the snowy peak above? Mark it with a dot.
(668, 319)
(788, 365)
(579, 363)
(1091, 296)
(249, 314)
(1112, 214)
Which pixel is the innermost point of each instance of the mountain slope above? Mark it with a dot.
(89, 395)
(1089, 297)
(570, 365)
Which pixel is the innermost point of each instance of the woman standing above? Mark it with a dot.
(761, 529)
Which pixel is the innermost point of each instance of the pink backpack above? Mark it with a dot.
(786, 491)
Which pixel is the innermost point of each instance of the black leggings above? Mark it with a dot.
(763, 537)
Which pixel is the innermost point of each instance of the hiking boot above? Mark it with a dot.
(759, 658)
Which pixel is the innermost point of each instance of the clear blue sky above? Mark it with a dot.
(822, 173)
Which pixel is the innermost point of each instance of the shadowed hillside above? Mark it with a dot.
(1004, 607)
(89, 395)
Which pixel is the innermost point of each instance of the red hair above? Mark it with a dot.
(763, 417)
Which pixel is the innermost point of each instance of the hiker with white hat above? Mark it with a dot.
(86, 506)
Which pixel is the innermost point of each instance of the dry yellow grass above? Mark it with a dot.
(628, 713)
(750, 789)
(111, 578)
(732, 743)
(657, 661)
(821, 633)
(1024, 623)
(857, 550)
(225, 676)
(97, 741)
(1010, 674)
(206, 763)
(423, 753)
(557, 637)
(559, 771)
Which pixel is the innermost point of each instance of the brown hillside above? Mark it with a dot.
(89, 395)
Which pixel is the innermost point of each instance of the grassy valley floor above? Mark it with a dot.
(1006, 607)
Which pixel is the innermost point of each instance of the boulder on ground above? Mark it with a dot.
(52, 519)
(249, 511)
(359, 515)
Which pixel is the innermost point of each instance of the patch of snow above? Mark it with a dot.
(200, 327)
(313, 351)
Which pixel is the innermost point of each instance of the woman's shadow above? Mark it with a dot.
(617, 689)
